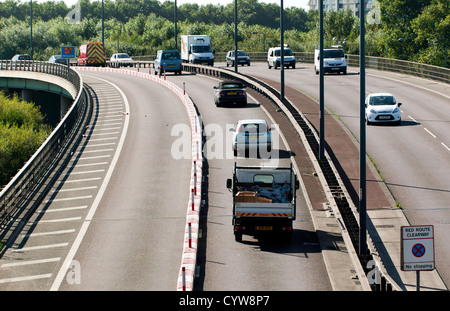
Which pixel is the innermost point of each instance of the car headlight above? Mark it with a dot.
(373, 111)
(396, 110)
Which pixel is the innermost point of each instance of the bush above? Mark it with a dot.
(22, 132)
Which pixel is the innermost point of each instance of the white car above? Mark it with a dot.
(121, 59)
(252, 135)
(382, 107)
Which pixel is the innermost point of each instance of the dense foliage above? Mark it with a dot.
(141, 27)
(22, 132)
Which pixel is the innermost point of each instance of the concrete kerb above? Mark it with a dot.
(186, 273)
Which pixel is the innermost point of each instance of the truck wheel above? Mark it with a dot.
(238, 237)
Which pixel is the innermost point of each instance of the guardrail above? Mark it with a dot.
(342, 208)
(20, 186)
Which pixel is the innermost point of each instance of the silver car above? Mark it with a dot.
(252, 135)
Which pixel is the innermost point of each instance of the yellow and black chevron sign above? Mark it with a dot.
(95, 53)
(264, 214)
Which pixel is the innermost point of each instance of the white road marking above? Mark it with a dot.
(60, 220)
(64, 209)
(26, 278)
(30, 262)
(69, 199)
(32, 248)
(92, 164)
(49, 233)
(76, 244)
(82, 180)
(75, 189)
(86, 172)
(429, 132)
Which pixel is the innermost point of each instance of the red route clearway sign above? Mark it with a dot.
(417, 249)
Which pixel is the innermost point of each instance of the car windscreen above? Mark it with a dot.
(231, 86)
(170, 55)
(333, 53)
(123, 56)
(287, 52)
(382, 100)
(253, 128)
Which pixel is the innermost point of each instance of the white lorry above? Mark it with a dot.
(334, 60)
(264, 200)
(196, 49)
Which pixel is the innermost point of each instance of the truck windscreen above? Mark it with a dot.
(201, 49)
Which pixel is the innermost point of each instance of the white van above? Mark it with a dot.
(334, 60)
(274, 57)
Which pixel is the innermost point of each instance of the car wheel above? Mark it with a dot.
(268, 65)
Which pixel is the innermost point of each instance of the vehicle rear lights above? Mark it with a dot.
(240, 228)
(286, 228)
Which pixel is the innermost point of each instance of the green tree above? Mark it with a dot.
(22, 131)
(432, 29)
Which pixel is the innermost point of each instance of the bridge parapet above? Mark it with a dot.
(15, 193)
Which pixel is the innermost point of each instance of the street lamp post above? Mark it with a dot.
(175, 22)
(31, 29)
(235, 38)
(321, 87)
(282, 48)
(362, 128)
(103, 24)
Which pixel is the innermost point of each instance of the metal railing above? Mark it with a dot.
(20, 186)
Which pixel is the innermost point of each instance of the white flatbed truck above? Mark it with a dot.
(264, 200)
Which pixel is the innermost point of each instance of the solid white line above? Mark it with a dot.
(60, 220)
(49, 233)
(429, 132)
(26, 278)
(30, 262)
(445, 146)
(76, 244)
(69, 199)
(32, 248)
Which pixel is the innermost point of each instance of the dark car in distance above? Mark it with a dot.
(243, 58)
(230, 92)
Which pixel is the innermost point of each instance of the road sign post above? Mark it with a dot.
(68, 52)
(417, 249)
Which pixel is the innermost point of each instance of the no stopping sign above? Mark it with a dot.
(417, 248)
